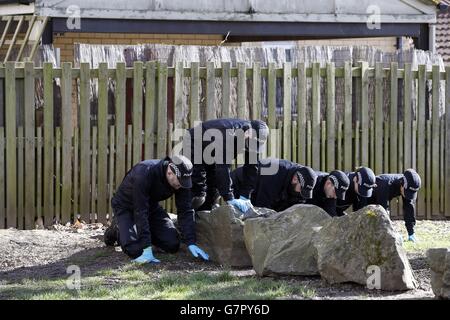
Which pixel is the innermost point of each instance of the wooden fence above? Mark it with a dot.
(56, 172)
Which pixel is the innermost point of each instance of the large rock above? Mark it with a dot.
(352, 248)
(439, 260)
(282, 242)
(220, 234)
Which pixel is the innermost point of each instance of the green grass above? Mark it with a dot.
(143, 283)
(429, 235)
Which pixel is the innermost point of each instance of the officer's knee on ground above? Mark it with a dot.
(171, 246)
(133, 250)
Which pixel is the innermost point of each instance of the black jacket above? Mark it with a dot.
(140, 192)
(388, 188)
(273, 191)
(228, 127)
(319, 198)
(351, 198)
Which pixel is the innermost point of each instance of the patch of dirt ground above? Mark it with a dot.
(46, 254)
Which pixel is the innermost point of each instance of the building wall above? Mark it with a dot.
(65, 41)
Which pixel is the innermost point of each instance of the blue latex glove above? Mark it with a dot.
(412, 238)
(243, 198)
(146, 257)
(240, 204)
(196, 251)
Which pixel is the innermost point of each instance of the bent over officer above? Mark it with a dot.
(140, 222)
(212, 146)
(329, 187)
(406, 185)
(279, 185)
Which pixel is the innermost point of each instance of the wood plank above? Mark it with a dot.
(287, 111)
(226, 86)
(210, 91)
(162, 111)
(20, 179)
(393, 115)
(421, 134)
(30, 156)
(85, 141)
(447, 140)
(76, 174)
(339, 158)
(407, 119)
(2, 179)
(120, 128)
(129, 146)
(348, 124)
(194, 96)
(67, 135)
(111, 169)
(331, 117)
(178, 95)
(138, 74)
(242, 92)
(386, 143)
(308, 144)
(102, 198)
(94, 213)
(441, 167)
(49, 144)
(301, 112)
(372, 144)
(294, 140)
(315, 115)
(39, 146)
(323, 144)
(435, 137)
(378, 165)
(11, 146)
(357, 153)
(365, 121)
(272, 96)
(58, 170)
(428, 196)
(256, 101)
(150, 110)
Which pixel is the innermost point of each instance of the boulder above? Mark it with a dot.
(220, 233)
(363, 247)
(282, 242)
(439, 261)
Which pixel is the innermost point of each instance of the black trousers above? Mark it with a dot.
(163, 233)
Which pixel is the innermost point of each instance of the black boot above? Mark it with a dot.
(111, 236)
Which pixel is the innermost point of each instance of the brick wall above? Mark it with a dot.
(65, 41)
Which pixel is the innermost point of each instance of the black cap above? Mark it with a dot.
(366, 181)
(262, 132)
(341, 183)
(182, 168)
(307, 178)
(411, 184)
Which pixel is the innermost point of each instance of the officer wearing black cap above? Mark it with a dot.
(140, 222)
(211, 177)
(362, 182)
(406, 185)
(279, 185)
(329, 187)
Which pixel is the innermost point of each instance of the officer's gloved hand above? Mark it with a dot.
(146, 257)
(412, 238)
(196, 251)
(240, 204)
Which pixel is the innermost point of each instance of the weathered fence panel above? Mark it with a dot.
(61, 170)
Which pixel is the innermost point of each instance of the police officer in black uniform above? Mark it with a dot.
(362, 182)
(406, 185)
(279, 185)
(212, 146)
(329, 187)
(140, 222)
